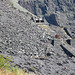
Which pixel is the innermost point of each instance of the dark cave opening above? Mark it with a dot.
(48, 54)
(68, 41)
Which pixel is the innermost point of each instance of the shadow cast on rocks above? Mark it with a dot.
(67, 52)
(51, 19)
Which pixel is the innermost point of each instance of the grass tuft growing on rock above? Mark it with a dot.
(4, 62)
(6, 69)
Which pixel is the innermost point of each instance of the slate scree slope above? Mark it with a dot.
(37, 47)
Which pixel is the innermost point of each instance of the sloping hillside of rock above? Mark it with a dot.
(17, 32)
(30, 45)
(56, 12)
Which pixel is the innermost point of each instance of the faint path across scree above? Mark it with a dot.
(16, 5)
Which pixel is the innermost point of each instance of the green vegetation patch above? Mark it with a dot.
(4, 62)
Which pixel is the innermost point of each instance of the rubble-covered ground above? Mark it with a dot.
(21, 38)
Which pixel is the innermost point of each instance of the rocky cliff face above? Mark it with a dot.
(57, 12)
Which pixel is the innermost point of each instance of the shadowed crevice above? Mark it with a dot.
(66, 51)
